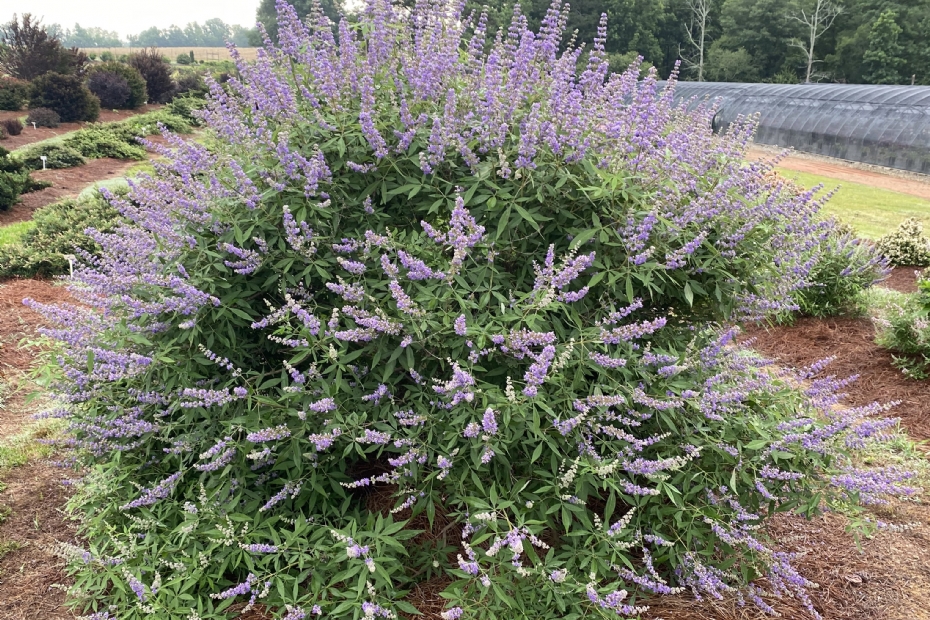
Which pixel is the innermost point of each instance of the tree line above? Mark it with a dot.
(782, 41)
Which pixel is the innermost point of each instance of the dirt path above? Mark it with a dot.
(30, 135)
(836, 169)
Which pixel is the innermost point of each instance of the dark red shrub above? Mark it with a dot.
(156, 73)
(43, 117)
(13, 126)
(110, 88)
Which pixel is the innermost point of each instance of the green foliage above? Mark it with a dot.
(184, 107)
(725, 65)
(906, 330)
(106, 56)
(883, 61)
(907, 245)
(43, 117)
(137, 92)
(66, 95)
(58, 231)
(14, 93)
(846, 267)
(10, 234)
(57, 156)
(119, 139)
(14, 180)
(101, 141)
(184, 59)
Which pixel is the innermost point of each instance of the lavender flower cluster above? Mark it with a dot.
(421, 270)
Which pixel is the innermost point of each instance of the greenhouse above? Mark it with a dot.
(881, 125)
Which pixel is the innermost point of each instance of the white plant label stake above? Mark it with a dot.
(43, 158)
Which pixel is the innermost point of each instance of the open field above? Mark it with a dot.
(872, 211)
(200, 53)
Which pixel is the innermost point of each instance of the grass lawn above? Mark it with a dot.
(14, 232)
(871, 211)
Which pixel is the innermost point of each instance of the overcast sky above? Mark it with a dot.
(132, 16)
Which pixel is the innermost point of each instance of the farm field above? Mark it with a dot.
(200, 53)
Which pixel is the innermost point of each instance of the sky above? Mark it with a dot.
(131, 17)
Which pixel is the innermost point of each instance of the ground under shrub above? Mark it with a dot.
(414, 285)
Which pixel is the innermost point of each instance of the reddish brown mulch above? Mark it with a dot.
(65, 182)
(32, 580)
(851, 341)
(38, 134)
(902, 279)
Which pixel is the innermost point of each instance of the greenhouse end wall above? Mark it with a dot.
(882, 125)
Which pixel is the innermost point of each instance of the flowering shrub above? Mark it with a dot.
(846, 266)
(907, 331)
(426, 312)
(907, 245)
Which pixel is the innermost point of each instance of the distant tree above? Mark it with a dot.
(883, 61)
(89, 37)
(816, 21)
(696, 32)
(725, 65)
(762, 28)
(28, 51)
(267, 14)
(633, 26)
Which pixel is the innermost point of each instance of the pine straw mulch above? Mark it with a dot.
(851, 340)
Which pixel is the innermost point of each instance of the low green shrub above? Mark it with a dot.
(120, 139)
(134, 80)
(57, 156)
(184, 59)
(14, 93)
(906, 331)
(184, 107)
(65, 94)
(845, 267)
(100, 141)
(107, 56)
(907, 245)
(43, 117)
(14, 180)
(58, 231)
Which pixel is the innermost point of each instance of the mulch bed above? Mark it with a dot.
(902, 279)
(32, 578)
(851, 340)
(30, 135)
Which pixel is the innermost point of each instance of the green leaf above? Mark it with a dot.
(689, 294)
(502, 223)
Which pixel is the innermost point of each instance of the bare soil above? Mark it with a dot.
(874, 176)
(38, 134)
